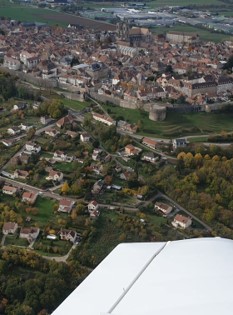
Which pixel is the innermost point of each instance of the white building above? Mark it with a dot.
(175, 278)
(32, 147)
(163, 207)
(181, 221)
(104, 119)
(11, 63)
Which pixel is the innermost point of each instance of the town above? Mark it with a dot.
(82, 167)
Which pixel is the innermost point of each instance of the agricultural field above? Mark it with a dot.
(176, 124)
(162, 3)
(27, 13)
(154, 3)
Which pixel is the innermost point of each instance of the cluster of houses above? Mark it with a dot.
(31, 233)
(179, 221)
(28, 233)
(106, 62)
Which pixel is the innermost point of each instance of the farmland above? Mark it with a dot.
(162, 3)
(33, 14)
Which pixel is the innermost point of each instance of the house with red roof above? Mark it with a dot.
(29, 197)
(65, 205)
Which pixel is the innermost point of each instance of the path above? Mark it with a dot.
(61, 258)
(3, 240)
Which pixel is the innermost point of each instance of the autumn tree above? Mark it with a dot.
(65, 188)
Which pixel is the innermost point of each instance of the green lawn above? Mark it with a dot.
(46, 212)
(176, 124)
(198, 139)
(52, 247)
(156, 220)
(162, 3)
(65, 167)
(76, 105)
(203, 33)
(155, 3)
(13, 240)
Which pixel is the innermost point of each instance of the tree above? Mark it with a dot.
(65, 188)
(229, 64)
(74, 214)
(30, 134)
(80, 209)
(216, 158)
(181, 156)
(108, 180)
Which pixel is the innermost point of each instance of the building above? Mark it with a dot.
(45, 120)
(60, 156)
(179, 143)
(93, 205)
(192, 276)
(104, 119)
(55, 176)
(68, 235)
(97, 187)
(9, 190)
(93, 209)
(132, 150)
(163, 207)
(13, 131)
(20, 106)
(11, 63)
(84, 137)
(65, 121)
(181, 221)
(181, 37)
(32, 147)
(65, 205)
(30, 233)
(225, 84)
(149, 142)
(97, 70)
(9, 228)
(71, 134)
(52, 132)
(21, 174)
(29, 197)
(150, 157)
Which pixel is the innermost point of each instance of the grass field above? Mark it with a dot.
(176, 124)
(204, 34)
(14, 240)
(45, 213)
(76, 105)
(162, 3)
(27, 13)
(155, 3)
(65, 167)
(46, 247)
